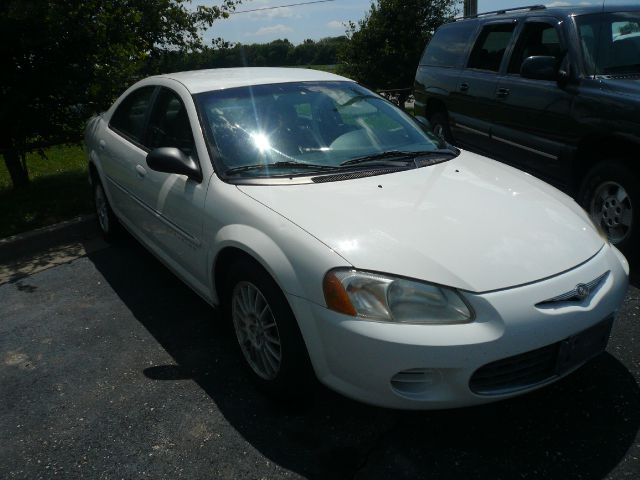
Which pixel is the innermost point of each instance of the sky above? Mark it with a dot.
(314, 21)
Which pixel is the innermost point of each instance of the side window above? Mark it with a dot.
(623, 28)
(448, 45)
(536, 39)
(129, 117)
(489, 49)
(169, 124)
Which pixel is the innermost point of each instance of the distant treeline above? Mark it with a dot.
(276, 53)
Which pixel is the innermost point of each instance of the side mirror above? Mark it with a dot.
(173, 160)
(539, 68)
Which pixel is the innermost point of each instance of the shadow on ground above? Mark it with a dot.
(579, 428)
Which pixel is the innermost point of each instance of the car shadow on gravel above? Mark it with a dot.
(580, 427)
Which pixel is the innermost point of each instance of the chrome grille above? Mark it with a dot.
(573, 295)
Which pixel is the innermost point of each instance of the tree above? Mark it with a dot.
(385, 46)
(65, 59)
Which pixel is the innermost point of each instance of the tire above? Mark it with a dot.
(267, 332)
(440, 126)
(107, 221)
(610, 193)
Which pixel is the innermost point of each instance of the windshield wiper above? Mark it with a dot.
(400, 156)
(283, 164)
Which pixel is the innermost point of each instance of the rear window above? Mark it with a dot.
(448, 45)
(129, 117)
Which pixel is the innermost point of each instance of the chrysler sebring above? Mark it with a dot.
(344, 241)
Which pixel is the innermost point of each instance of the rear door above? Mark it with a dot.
(440, 66)
(532, 122)
(475, 91)
(122, 149)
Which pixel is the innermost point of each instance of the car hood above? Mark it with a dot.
(470, 223)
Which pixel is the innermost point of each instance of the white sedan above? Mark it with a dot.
(343, 240)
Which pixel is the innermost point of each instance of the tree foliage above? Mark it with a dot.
(272, 54)
(385, 46)
(63, 59)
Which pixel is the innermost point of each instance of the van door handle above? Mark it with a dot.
(502, 92)
(463, 87)
(141, 171)
(102, 144)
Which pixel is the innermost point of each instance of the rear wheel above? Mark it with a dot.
(267, 332)
(107, 221)
(440, 126)
(610, 193)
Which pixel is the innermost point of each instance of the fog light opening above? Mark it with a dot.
(415, 381)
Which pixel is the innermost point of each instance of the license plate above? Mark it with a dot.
(577, 349)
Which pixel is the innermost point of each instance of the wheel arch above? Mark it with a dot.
(436, 105)
(235, 242)
(595, 149)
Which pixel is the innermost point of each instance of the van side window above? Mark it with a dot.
(489, 49)
(129, 117)
(448, 45)
(536, 39)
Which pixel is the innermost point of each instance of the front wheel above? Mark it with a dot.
(610, 193)
(267, 332)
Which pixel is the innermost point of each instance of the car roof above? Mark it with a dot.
(198, 81)
(565, 11)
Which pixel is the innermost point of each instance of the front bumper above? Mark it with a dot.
(430, 366)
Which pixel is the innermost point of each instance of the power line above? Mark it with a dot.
(281, 6)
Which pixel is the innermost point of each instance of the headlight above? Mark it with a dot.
(385, 298)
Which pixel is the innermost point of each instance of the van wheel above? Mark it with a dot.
(267, 332)
(440, 126)
(107, 220)
(610, 193)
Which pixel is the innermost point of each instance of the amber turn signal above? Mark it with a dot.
(336, 296)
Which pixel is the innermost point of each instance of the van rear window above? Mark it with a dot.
(448, 45)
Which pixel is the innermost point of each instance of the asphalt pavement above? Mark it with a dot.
(111, 368)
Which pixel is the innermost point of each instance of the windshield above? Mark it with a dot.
(611, 43)
(305, 128)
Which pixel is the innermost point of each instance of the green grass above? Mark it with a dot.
(58, 191)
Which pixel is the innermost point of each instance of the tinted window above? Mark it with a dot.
(448, 45)
(535, 39)
(169, 125)
(130, 115)
(489, 49)
(611, 43)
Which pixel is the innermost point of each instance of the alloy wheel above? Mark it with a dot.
(611, 208)
(256, 330)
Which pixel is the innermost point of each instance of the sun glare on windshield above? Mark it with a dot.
(261, 141)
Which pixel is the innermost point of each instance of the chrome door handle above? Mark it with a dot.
(140, 170)
(502, 92)
(463, 87)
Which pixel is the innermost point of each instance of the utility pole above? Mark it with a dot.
(470, 7)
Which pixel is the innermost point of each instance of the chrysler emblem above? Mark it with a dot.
(582, 291)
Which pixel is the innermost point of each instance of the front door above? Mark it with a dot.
(173, 203)
(532, 122)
